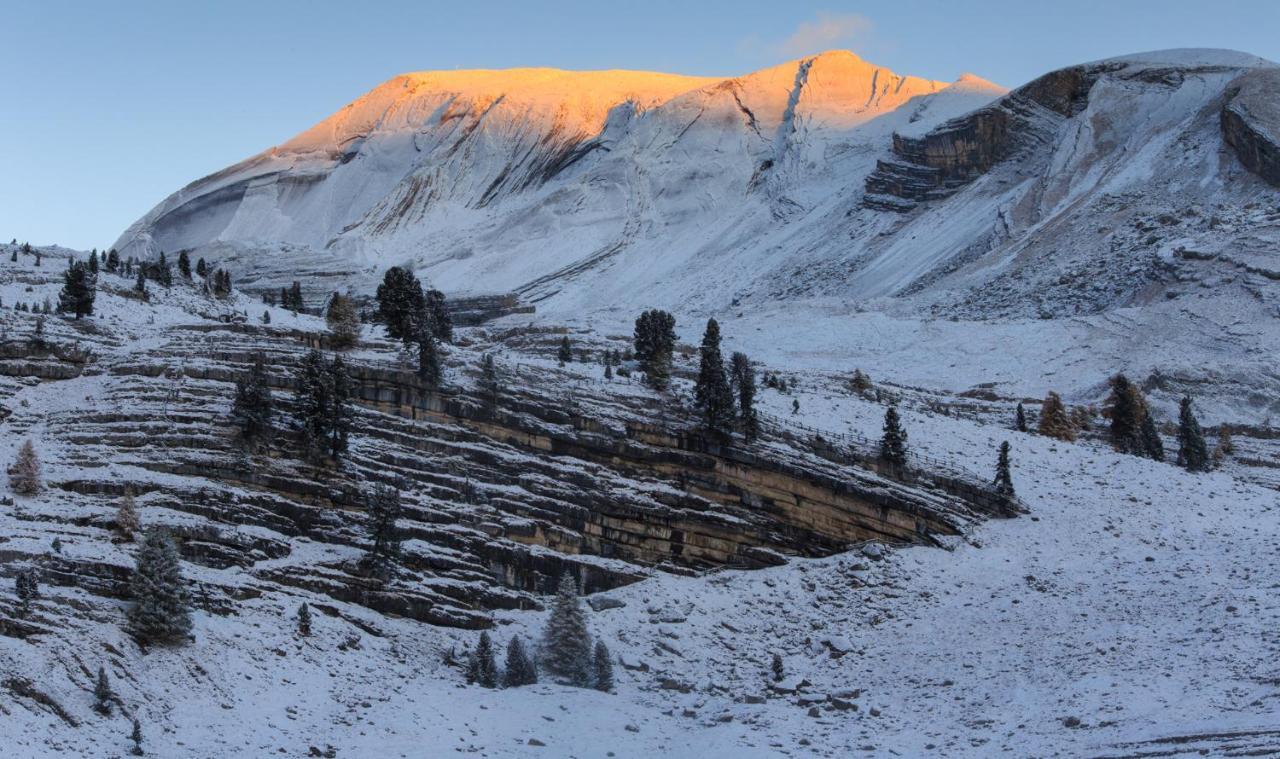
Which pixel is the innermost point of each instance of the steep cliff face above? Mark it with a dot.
(1251, 123)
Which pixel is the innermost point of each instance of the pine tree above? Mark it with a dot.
(136, 737)
(438, 319)
(473, 668)
(383, 506)
(78, 291)
(1125, 408)
(1152, 445)
(113, 261)
(93, 262)
(314, 396)
(340, 407)
(184, 265)
(251, 411)
(1004, 479)
(1020, 419)
(127, 521)
(400, 304)
(1054, 422)
(566, 644)
(103, 697)
(304, 620)
(140, 284)
(428, 359)
(202, 269)
(266, 316)
(603, 666)
(162, 273)
(284, 297)
(24, 475)
(26, 585)
(1193, 453)
(486, 666)
(519, 667)
(712, 393)
(655, 341)
(490, 387)
(776, 667)
(893, 444)
(162, 612)
(743, 376)
(296, 303)
(564, 354)
(344, 322)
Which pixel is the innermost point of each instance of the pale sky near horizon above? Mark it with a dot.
(113, 106)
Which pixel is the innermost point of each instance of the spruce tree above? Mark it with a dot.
(304, 620)
(140, 284)
(344, 322)
(113, 261)
(1020, 419)
(24, 474)
(743, 376)
(202, 269)
(655, 341)
(162, 612)
(103, 697)
(566, 644)
(893, 443)
(1054, 421)
(519, 667)
(438, 319)
(1124, 408)
(251, 411)
(564, 354)
(428, 359)
(1152, 445)
(712, 393)
(296, 303)
(603, 668)
(776, 667)
(184, 265)
(162, 273)
(314, 398)
(400, 304)
(1004, 479)
(1193, 453)
(93, 262)
(383, 507)
(490, 387)
(136, 737)
(127, 520)
(26, 586)
(340, 407)
(486, 666)
(78, 291)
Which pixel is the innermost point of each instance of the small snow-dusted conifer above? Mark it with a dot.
(486, 665)
(519, 667)
(566, 644)
(296, 302)
(184, 265)
(564, 354)
(383, 506)
(603, 668)
(251, 411)
(93, 262)
(24, 475)
(893, 443)
(113, 261)
(1004, 480)
(777, 668)
(400, 303)
(490, 387)
(473, 668)
(127, 521)
(1152, 445)
(1193, 453)
(136, 737)
(266, 317)
(140, 284)
(743, 376)
(202, 269)
(1054, 422)
(304, 620)
(712, 393)
(343, 321)
(428, 359)
(162, 609)
(1020, 419)
(102, 694)
(27, 587)
(437, 315)
(655, 342)
(1125, 409)
(78, 291)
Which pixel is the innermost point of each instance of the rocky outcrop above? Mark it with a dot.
(1251, 122)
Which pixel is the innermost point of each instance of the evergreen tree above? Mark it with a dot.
(860, 383)
(565, 352)
(566, 644)
(103, 697)
(1125, 408)
(24, 474)
(136, 737)
(202, 269)
(490, 387)
(13, 257)
(1054, 421)
(162, 612)
(1193, 453)
(266, 316)
(127, 521)
(401, 303)
(712, 393)
(78, 291)
(743, 376)
(1152, 445)
(93, 262)
(473, 668)
(343, 321)
(184, 265)
(140, 284)
(1004, 480)
(251, 411)
(486, 666)
(383, 506)
(340, 408)
(438, 319)
(27, 587)
(304, 620)
(1020, 419)
(314, 397)
(37, 258)
(603, 680)
(162, 273)
(284, 297)
(893, 444)
(113, 261)
(429, 369)
(296, 303)
(776, 667)
(519, 668)
(655, 342)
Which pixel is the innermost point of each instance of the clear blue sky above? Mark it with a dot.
(110, 106)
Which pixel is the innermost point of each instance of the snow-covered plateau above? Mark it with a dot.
(968, 248)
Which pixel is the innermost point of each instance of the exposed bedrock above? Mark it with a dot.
(1251, 122)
